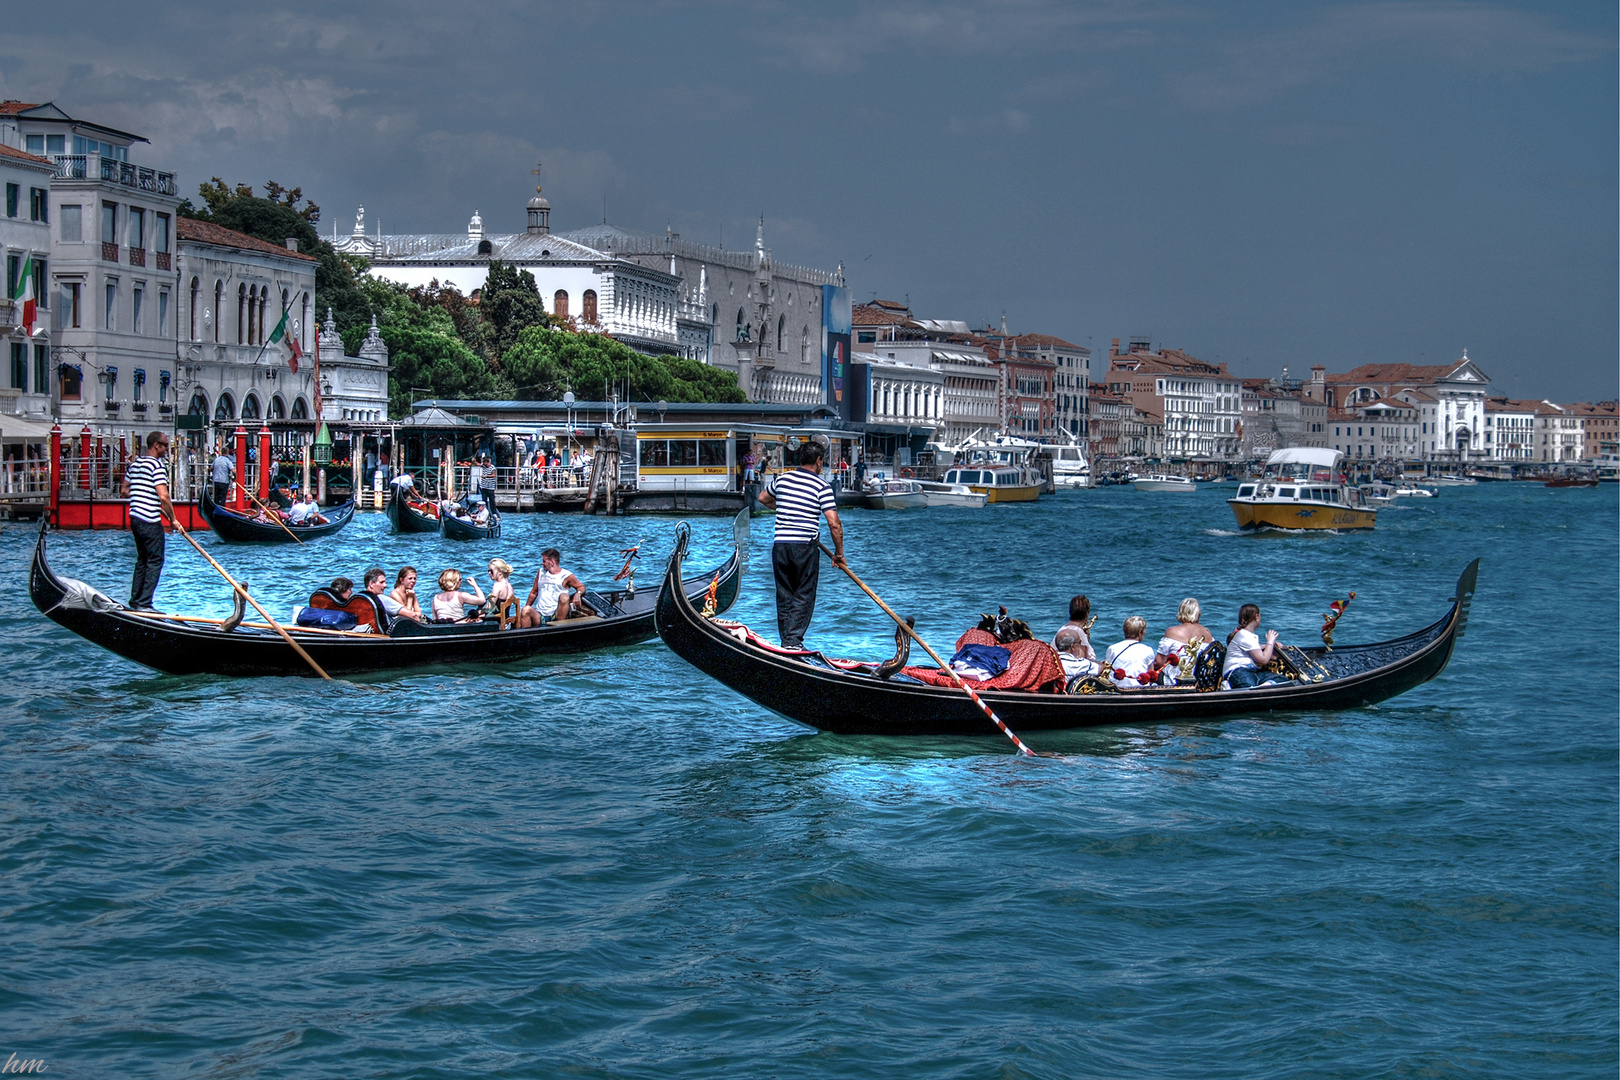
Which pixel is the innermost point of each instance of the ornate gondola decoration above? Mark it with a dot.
(188, 645)
(229, 525)
(1329, 621)
(851, 699)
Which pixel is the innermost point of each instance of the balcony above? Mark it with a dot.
(163, 261)
(109, 252)
(107, 170)
(137, 256)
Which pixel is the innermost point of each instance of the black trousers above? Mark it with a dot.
(222, 493)
(798, 568)
(488, 495)
(148, 561)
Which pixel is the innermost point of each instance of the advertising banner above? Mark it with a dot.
(836, 327)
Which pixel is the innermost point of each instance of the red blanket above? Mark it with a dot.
(1032, 666)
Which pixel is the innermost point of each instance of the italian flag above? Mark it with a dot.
(290, 343)
(27, 295)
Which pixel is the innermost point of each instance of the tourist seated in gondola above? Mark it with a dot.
(556, 592)
(376, 583)
(281, 496)
(267, 515)
(1079, 617)
(500, 588)
(1075, 654)
(1246, 658)
(342, 588)
(1129, 663)
(305, 512)
(450, 604)
(404, 594)
(1182, 644)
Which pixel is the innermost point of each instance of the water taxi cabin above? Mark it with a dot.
(1303, 488)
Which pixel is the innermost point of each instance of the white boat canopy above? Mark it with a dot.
(1306, 455)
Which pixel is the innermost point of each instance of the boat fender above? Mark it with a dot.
(240, 610)
(902, 651)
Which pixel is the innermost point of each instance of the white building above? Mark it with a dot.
(969, 383)
(234, 288)
(1202, 404)
(1450, 400)
(1510, 429)
(25, 237)
(112, 276)
(353, 388)
(903, 397)
(658, 294)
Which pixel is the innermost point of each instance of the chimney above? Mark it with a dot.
(292, 243)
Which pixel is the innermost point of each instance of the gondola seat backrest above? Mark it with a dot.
(366, 609)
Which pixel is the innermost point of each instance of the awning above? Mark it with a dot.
(21, 429)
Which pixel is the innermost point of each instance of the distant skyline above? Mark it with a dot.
(1261, 184)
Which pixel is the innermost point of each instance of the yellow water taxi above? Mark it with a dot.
(1302, 489)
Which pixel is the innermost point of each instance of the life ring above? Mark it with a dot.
(905, 474)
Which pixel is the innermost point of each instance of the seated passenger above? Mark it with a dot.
(305, 512)
(1246, 657)
(451, 604)
(1073, 649)
(555, 591)
(1079, 618)
(376, 583)
(342, 588)
(1129, 661)
(1183, 642)
(404, 594)
(500, 589)
(480, 515)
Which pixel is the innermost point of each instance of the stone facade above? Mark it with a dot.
(25, 240)
(1450, 400)
(1200, 402)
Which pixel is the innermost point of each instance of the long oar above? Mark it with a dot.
(267, 513)
(277, 627)
(943, 666)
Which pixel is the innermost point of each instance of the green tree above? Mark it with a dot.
(509, 304)
(544, 363)
(425, 353)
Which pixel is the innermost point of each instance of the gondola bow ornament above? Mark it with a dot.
(1330, 620)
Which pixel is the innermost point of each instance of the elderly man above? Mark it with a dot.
(1128, 660)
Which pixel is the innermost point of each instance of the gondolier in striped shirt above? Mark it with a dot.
(801, 499)
(146, 485)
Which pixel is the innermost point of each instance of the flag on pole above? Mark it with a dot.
(279, 336)
(316, 394)
(27, 295)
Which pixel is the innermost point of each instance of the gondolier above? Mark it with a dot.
(801, 499)
(486, 482)
(146, 485)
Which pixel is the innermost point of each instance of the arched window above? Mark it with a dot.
(300, 409)
(196, 293)
(587, 306)
(264, 295)
(250, 407)
(303, 323)
(286, 306)
(278, 408)
(219, 302)
(781, 322)
(804, 345)
(714, 315)
(243, 306)
(559, 304)
(199, 404)
(225, 409)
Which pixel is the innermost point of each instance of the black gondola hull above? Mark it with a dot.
(856, 704)
(457, 529)
(407, 520)
(229, 525)
(182, 648)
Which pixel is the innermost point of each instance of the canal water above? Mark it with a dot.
(610, 866)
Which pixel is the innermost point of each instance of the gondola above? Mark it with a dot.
(806, 688)
(408, 519)
(456, 528)
(230, 525)
(181, 645)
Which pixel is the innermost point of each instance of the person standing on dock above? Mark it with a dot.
(801, 498)
(146, 485)
(223, 470)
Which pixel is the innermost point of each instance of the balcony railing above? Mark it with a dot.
(109, 170)
(137, 256)
(109, 252)
(163, 261)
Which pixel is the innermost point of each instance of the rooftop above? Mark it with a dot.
(23, 155)
(206, 232)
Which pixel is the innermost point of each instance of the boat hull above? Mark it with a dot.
(844, 702)
(192, 648)
(1163, 485)
(456, 529)
(229, 525)
(1008, 493)
(1255, 514)
(406, 519)
(953, 495)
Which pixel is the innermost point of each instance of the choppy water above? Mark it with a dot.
(610, 866)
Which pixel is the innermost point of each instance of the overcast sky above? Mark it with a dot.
(1264, 184)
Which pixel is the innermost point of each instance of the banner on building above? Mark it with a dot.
(837, 319)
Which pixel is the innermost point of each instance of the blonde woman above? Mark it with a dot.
(500, 588)
(1187, 633)
(451, 604)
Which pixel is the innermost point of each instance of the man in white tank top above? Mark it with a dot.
(555, 591)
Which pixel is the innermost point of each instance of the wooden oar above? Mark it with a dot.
(270, 514)
(943, 666)
(277, 627)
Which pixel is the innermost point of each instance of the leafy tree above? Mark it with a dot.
(510, 304)
(425, 354)
(547, 362)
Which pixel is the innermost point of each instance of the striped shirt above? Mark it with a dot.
(145, 474)
(802, 498)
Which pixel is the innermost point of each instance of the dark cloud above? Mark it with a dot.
(1266, 184)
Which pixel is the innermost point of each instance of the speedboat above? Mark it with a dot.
(1302, 489)
(1451, 480)
(1378, 494)
(942, 494)
(1412, 492)
(1162, 482)
(895, 495)
(1069, 467)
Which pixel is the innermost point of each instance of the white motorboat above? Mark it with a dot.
(1070, 467)
(1161, 482)
(895, 495)
(1378, 494)
(1451, 480)
(1302, 490)
(940, 494)
(1411, 492)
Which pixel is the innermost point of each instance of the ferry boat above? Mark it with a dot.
(998, 468)
(998, 485)
(1301, 489)
(1161, 482)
